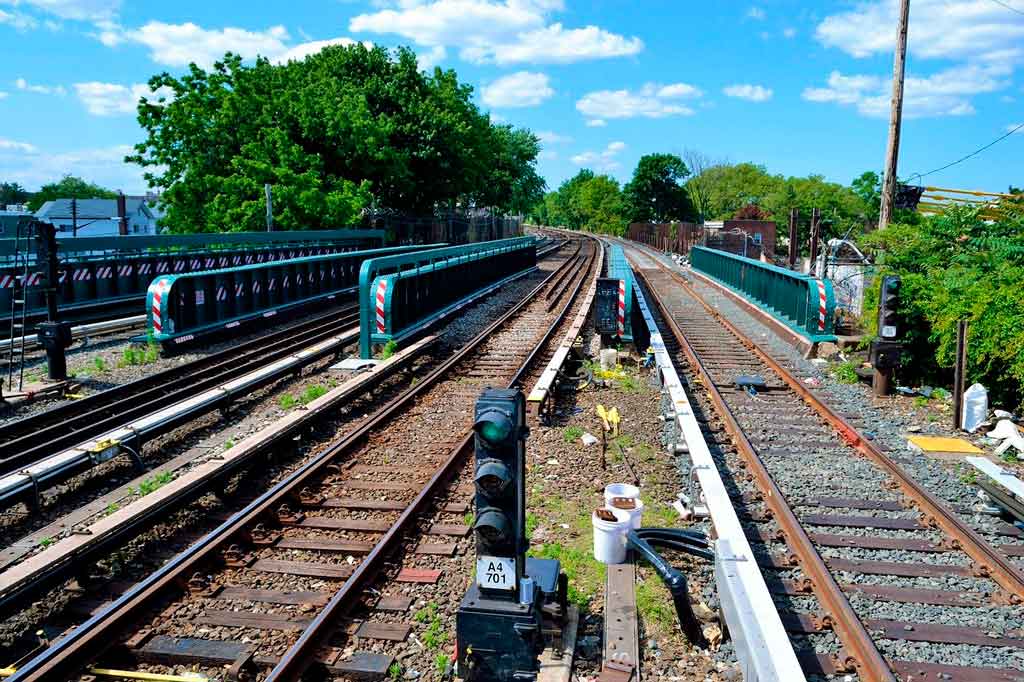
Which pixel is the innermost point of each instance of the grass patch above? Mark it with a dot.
(395, 671)
(111, 508)
(1010, 457)
(920, 401)
(228, 444)
(312, 393)
(630, 384)
(435, 636)
(287, 402)
(151, 484)
(469, 518)
(390, 348)
(100, 364)
(441, 663)
(586, 574)
(572, 433)
(426, 614)
(654, 605)
(660, 516)
(846, 372)
(45, 542)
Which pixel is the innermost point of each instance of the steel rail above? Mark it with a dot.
(994, 563)
(301, 655)
(69, 655)
(863, 655)
(48, 432)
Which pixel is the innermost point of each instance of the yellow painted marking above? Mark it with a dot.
(940, 444)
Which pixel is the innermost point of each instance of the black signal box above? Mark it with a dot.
(606, 309)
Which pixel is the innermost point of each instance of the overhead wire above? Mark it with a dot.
(972, 154)
(1009, 7)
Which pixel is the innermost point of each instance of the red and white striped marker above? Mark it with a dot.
(255, 286)
(6, 281)
(822, 307)
(161, 267)
(145, 268)
(104, 272)
(222, 295)
(272, 284)
(159, 289)
(82, 275)
(34, 279)
(622, 307)
(239, 290)
(124, 270)
(382, 289)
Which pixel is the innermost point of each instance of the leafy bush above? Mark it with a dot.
(846, 372)
(957, 266)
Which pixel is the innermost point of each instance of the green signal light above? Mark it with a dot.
(494, 427)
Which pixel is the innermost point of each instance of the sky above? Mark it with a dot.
(799, 87)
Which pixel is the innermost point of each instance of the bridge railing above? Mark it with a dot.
(402, 293)
(179, 307)
(804, 303)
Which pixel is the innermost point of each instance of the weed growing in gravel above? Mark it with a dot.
(630, 384)
(287, 402)
(45, 542)
(1010, 456)
(426, 613)
(395, 671)
(969, 476)
(152, 484)
(111, 508)
(312, 393)
(389, 349)
(920, 401)
(100, 364)
(441, 663)
(435, 636)
(846, 372)
(571, 433)
(469, 518)
(228, 444)
(152, 353)
(532, 521)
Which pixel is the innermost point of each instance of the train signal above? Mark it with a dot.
(512, 601)
(889, 308)
(500, 439)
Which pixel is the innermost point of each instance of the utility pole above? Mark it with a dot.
(74, 217)
(794, 246)
(895, 119)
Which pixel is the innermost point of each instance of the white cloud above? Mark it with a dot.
(430, 58)
(602, 160)
(789, 32)
(550, 137)
(25, 86)
(180, 44)
(11, 145)
(18, 20)
(945, 93)
(111, 99)
(946, 29)
(520, 89)
(752, 93)
(651, 101)
(503, 32)
(33, 167)
(2, 94)
(596, 123)
(303, 50)
(77, 10)
(756, 13)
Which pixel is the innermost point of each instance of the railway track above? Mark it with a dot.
(278, 584)
(873, 575)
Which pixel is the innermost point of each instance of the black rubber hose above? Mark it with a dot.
(682, 547)
(676, 584)
(692, 536)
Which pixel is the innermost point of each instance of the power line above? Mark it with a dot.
(1009, 7)
(972, 154)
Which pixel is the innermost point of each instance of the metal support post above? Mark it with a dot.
(959, 376)
(794, 247)
(815, 237)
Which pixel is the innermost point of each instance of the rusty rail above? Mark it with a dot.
(863, 654)
(70, 655)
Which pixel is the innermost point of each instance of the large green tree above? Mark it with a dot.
(656, 193)
(584, 202)
(13, 193)
(333, 133)
(68, 187)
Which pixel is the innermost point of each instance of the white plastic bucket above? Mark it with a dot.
(614, 490)
(610, 537)
(634, 515)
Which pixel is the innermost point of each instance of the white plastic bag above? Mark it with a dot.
(975, 407)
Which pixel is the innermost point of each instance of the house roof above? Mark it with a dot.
(91, 209)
